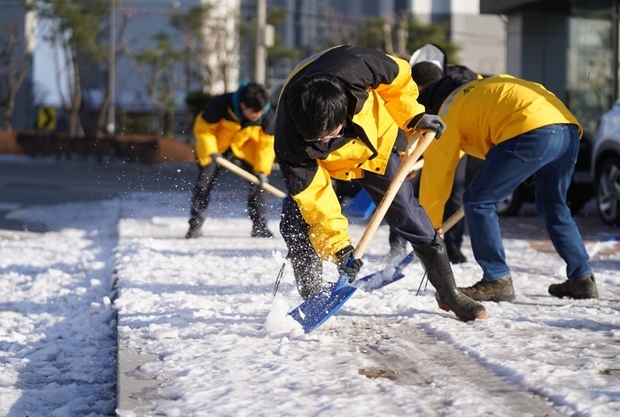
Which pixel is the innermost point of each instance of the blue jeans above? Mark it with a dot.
(549, 152)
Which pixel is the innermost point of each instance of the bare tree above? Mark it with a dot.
(15, 59)
(118, 52)
(226, 30)
(192, 25)
(74, 26)
(155, 66)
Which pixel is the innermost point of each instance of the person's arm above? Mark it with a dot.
(206, 140)
(440, 161)
(400, 95)
(265, 154)
(311, 188)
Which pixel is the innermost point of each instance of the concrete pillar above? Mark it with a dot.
(537, 44)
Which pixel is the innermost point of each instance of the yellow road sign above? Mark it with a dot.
(46, 118)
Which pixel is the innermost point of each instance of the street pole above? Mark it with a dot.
(111, 71)
(261, 21)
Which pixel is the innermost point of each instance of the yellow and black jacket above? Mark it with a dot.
(383, 99)
(221, 126)
(478, 115)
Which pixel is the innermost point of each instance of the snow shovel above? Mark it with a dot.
(362, 205)
(247, 176)
(321, 305)
(382, 278)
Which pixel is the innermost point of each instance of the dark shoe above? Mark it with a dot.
(435, 260)
(261, 232)
(193, 232)
(500, 290)
(580, 289)
(455, 255)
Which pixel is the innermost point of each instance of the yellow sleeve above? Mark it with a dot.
(401, 95)
(440, 161)
(206, 141)
(252, 145)
(319, 206)
(266, 154)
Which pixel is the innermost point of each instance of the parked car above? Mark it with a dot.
(605, 166)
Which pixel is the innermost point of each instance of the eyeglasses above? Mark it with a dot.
(327, 138)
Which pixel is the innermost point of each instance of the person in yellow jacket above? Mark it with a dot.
(338, 117)
(239, 127)
(519, 128)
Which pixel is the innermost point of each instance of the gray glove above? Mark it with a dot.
(347, 264)
(429, 122)
(262, 179)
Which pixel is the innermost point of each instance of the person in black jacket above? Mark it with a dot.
(425, 73)
(239, 127)
(338, 116)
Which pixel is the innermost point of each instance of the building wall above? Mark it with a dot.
(537, 44)
(24, 114)
(481, 38)
(482, 42)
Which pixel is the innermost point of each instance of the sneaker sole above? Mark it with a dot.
(447, 308)
(576, 297)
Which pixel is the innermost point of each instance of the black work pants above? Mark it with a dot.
(454, 237)
(405, 216)
(201, 193)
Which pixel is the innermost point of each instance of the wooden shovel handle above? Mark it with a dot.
(415, 148)
(246, 175)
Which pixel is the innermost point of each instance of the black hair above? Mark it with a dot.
(254, 96)
(425, 73)
(317, 104)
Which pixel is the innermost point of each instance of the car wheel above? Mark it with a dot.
(608, 191)
(510, 206)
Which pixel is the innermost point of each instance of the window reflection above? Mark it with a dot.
(589, 74)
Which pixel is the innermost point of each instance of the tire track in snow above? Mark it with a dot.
(431, 368)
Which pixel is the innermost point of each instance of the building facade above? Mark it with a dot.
(16, 21)
(481, 38)
(570, 46)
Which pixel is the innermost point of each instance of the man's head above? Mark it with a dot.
(425, 73)
(318, 106)
(252, 101)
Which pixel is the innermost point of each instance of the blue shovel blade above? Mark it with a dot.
(321, 305)
(384, 277)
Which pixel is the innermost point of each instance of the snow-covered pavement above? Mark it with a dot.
(204, 336)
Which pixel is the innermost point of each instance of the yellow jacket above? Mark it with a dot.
(383, 100)
(478, 115)
(218, 128)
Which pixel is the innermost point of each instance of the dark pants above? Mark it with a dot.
(405, 216)
(201, 194)
(454, 237)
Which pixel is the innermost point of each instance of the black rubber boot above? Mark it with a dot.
(434, 257)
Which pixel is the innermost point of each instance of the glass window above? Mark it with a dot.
(589, 82)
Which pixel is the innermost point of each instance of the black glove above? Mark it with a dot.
(262, 179)
(347, 264)
(428, 121)
(214, 156)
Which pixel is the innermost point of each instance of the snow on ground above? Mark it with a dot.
(222, 345)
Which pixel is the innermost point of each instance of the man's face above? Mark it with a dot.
(336, 132)
(250, 114)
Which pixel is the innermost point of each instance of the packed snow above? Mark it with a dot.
(211, 339)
